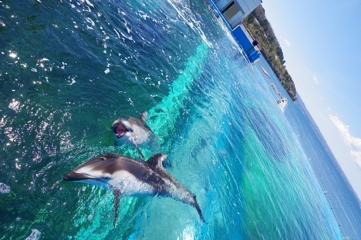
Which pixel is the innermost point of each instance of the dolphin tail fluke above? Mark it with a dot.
(196, 206)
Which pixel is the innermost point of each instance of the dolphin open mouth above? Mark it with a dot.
(120, 130)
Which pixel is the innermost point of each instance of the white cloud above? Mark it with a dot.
(352, 142)
(287, 42)
(315, 79)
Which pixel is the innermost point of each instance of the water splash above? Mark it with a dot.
(35, 235)
(162, 117)
(4, 188)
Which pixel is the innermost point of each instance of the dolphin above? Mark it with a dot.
(132, 131)
(131, 177)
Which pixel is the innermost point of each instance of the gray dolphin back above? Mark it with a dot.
(113, 171)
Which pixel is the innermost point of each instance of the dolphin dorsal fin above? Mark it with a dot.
(143, 115)
(157, 159)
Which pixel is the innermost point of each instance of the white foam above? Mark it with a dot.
(4, 188)
(35, 235)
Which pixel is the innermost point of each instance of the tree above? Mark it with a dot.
(279, 53)
(250, 19)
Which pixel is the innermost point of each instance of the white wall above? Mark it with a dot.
(248, 5)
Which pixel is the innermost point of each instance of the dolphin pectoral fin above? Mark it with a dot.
(141, 154)
(117, 195)
(157, 159)
(143, 115)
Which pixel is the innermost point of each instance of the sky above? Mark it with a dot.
(321, 45)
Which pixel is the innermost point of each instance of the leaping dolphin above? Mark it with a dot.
(132, 177)
(132, 131)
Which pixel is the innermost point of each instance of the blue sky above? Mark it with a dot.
(321, 45)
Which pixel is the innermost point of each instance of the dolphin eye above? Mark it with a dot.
(106, 177)
(103, 158)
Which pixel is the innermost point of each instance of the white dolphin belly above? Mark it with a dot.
(129, 185)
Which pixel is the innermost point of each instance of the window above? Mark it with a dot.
(232, 10)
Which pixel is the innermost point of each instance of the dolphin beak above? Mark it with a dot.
(73, 176)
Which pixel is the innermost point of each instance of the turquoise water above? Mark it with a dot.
(339, 193)
(69, 68)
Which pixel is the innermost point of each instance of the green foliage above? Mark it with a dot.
(265, 25)
(250, 19)
(279, 53)
(270, 48)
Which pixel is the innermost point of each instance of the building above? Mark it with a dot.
(234, 11)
